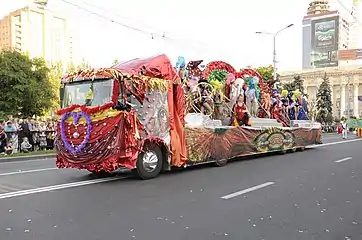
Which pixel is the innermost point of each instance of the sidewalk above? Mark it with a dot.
(26, 158)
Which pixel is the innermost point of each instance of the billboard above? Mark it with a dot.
(325, 34)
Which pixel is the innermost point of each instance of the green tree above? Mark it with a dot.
(71, 67)
(266, 73)
(25, 86)
(324, 102)
(84, 65)
(289, 86)
(55, 75)
(298, 83)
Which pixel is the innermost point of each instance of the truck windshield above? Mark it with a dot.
(88, 93)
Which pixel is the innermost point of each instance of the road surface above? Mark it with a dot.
(316, 194)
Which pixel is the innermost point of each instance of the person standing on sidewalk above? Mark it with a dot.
(344, 129)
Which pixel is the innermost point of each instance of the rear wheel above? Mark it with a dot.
(282, 152)
(301, 149)
(221, 163)
(149, 162)
(292, 150)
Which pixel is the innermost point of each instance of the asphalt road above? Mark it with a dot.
(316, 194)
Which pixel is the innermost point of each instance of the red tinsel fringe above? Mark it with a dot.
(88, 110)
(115, 91)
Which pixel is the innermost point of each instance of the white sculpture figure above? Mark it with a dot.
(236, 90)
(252, 98)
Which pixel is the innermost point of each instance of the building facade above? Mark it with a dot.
(329, 28)
(324, 34)
(346, 87)
(38, 32)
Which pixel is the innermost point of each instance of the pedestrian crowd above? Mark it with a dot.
(26, 135)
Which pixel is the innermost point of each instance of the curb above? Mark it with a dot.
(27, 158)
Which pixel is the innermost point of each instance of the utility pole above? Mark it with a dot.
(274, 48)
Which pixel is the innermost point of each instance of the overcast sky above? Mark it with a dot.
(209, 30)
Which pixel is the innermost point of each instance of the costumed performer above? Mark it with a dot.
(218, 97)
(241, 115)
(278, 110)
(181, 68)
(303, 109)
(264, 110)
(205, 95)
(237, 87)
(288, 103)
(295, 96)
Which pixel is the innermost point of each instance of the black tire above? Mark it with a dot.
(293, 150)
(221, 163)
(301, 149)
(282, 152)
(146, 171)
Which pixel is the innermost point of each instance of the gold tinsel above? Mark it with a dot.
(151, 83)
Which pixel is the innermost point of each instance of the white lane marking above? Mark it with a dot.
(343, 160)
(57, 187)
(236, 194)
(333, 143)
(24, 161)
(28, 171)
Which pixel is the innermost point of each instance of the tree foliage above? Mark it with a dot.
(266, 73)
(84, 65)
(71, 67)
(25, 86)
(296, 84)
(55, 74)
(324, 102)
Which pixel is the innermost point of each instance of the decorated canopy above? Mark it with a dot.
(158, 67)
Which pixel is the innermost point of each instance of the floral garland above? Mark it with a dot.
(76, 118)
(83, 108)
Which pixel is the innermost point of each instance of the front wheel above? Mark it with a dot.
(149, 162)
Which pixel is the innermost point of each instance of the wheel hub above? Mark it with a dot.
(150, 161)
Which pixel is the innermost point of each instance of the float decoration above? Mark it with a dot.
(113, 142)
(76, 117)
(117, 134)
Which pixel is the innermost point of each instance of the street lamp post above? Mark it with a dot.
(274, 48)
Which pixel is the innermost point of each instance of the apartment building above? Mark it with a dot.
(39, 32)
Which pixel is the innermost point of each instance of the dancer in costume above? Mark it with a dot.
(241, 115)
(289, 104)
(181, 68)
(278, 110)
(303, 108)
(205, 95)
(218, 97)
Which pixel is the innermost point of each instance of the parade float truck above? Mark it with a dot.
(132, 115)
